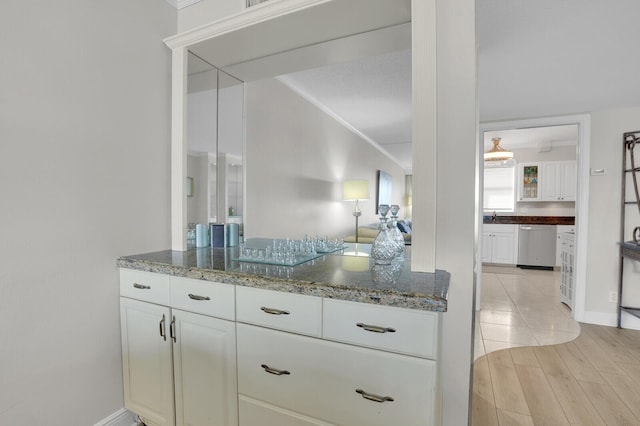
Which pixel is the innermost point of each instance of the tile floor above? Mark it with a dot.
(520, 307)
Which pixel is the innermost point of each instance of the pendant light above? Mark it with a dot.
(497, 153)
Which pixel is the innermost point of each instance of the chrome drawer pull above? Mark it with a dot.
(273, 311)
(196, 297)
(172, 329)
(376, 329)
(142, 286)
(274, 371)
(162, 332)
(372, 397)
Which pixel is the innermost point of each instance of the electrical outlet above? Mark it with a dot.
(613, 296)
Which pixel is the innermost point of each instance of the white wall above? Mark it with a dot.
(84, 178)
(557, 153)
(607, 128)
(296, 159)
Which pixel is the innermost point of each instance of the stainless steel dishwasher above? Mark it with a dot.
(537, 246)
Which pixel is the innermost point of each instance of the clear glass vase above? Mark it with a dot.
(396, 235)
(384, 248)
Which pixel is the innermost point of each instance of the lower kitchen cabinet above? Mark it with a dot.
(337, 383)
(254, 412)
(179, 367)
(499, 244)
(204, 370)
(147, 361)
(567, 255)
(273, 358)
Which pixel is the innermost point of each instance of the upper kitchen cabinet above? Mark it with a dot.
(559, 182)
(547, 181)
(529, 175)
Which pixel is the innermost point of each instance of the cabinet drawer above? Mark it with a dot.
(283, 311)
(398, 330)
(565, 228)
(146, 286)
(203, 297)
(337, 383)
(254, 412)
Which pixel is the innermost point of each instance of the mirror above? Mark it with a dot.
(295, 161)
(214, 148)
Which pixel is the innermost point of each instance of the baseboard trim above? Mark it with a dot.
(611, 320)
(600, 318)
(122, 417)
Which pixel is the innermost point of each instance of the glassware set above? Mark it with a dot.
(290, 252)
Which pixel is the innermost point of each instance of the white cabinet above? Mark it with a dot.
(296, 313)
(254, 412)
(562, 229)
(337, 383)
(177, 359)
(499, 243)
(205, 370)
(567, 255)
(559, 181)
(547, 181)
(371, 365)
(529, 175)
(201, 353)
(147, 361)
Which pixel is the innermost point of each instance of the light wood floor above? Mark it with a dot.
(593, 380)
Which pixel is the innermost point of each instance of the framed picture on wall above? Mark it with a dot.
(383, 189)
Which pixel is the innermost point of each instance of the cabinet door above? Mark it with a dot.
(529, 177)
(487, 240)
(337, 383)
(503, 248)
(254, 412)
(147, 361)
(569, 181)
(205, 370)
(550, 186)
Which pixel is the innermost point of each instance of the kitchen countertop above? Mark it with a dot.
(530, 220)
(337, 275)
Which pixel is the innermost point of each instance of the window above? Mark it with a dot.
(499, 188)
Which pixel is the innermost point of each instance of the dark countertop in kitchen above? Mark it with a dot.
(530, 220)
(336, 275)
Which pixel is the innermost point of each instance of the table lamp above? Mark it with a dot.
(355, 190)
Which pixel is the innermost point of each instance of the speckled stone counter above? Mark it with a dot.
(531, 220)
(336, 276)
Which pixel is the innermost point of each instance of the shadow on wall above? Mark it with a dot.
(315, 189)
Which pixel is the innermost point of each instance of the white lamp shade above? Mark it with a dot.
(355, 190)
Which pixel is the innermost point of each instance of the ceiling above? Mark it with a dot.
(372, 95)
(537, 137)
(536, 59)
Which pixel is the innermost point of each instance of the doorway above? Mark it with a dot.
(581, 152)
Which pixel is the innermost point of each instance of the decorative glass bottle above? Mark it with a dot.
(396, 235)
(384, 248)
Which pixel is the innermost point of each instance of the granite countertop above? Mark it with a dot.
(338, 275)
(530, 220)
